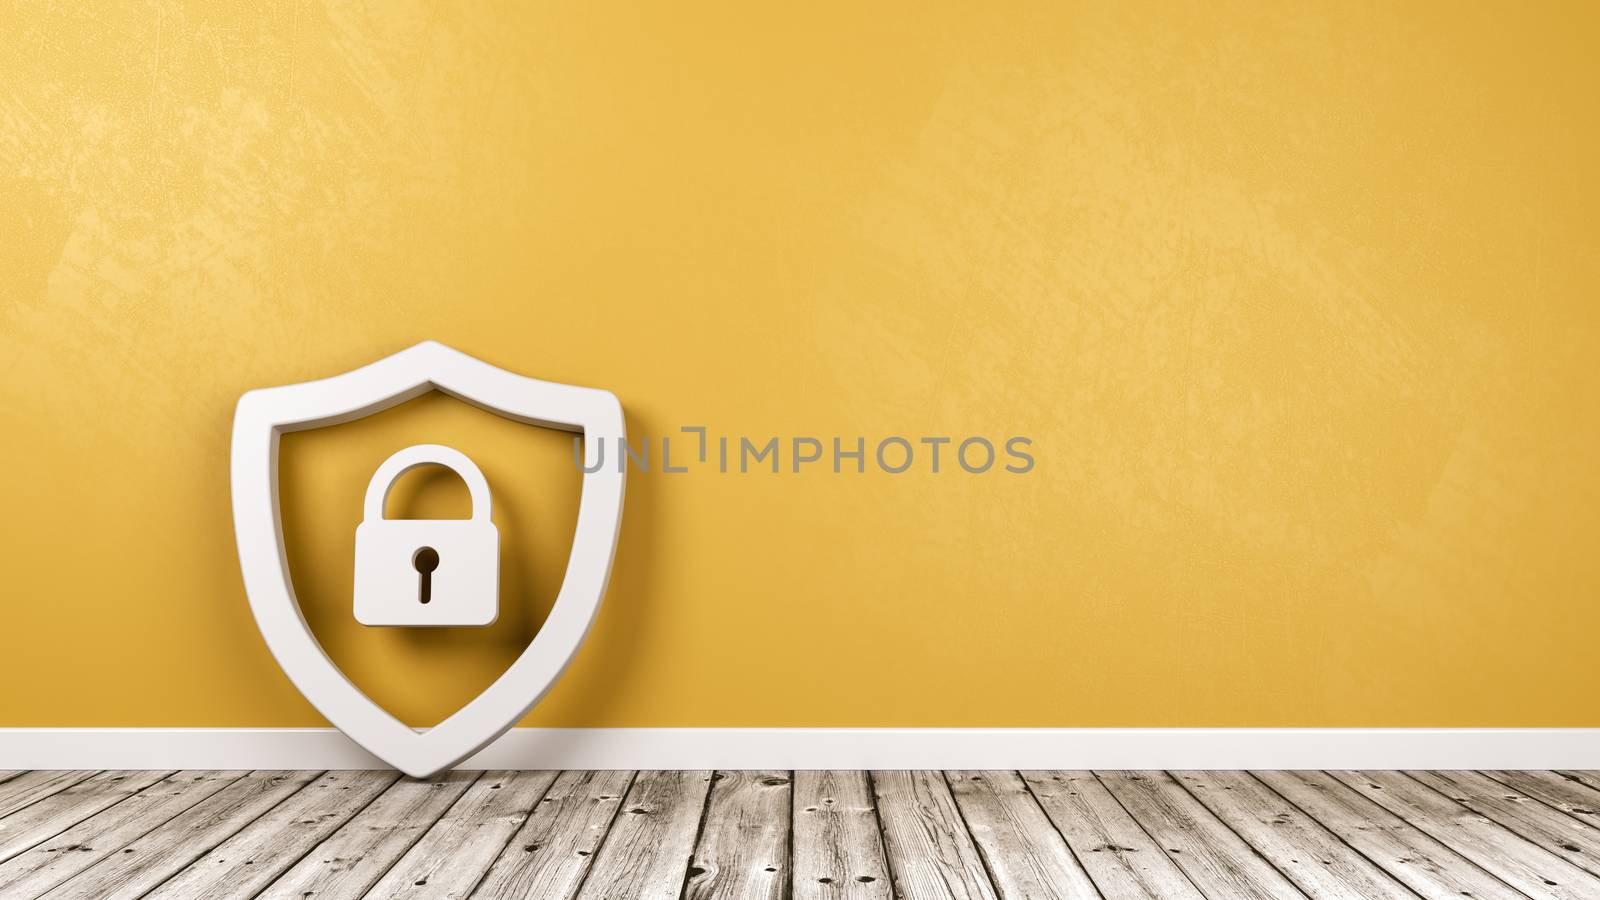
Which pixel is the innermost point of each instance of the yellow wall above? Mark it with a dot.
(1299, 306)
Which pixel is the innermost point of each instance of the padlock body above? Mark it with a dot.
(464, 588)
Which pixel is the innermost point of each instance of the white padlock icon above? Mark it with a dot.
(426, 573)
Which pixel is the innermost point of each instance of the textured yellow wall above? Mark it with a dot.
(1299, 305)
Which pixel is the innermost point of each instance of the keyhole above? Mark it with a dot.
(426, 560)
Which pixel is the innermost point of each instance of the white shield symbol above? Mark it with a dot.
(263, 415)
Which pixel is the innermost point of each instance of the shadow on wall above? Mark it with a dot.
(423, 675)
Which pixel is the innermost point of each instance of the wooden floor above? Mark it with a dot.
(672, 835)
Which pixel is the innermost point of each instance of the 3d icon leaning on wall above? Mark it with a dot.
(422, 573)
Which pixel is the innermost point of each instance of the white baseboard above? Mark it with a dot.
(832, 748)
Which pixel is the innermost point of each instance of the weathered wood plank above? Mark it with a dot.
(1119, 856)
(44, 819)
(1298, 846)
(1588, 778)
(931, 855)
(646, 854)
(1564, 792)
(550, 855)
(1409, 855)
(1214, 858)
(1516, 861)
(1555, 831)
(743, 851)
(838, 849)
(354, 857)
(8, 774)
(151, 859)
(31, 787)
(245, 863)
(31, 873)
(455, 854)
(1025, 855)
(960, 834)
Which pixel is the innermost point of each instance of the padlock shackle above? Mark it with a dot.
(421, 455)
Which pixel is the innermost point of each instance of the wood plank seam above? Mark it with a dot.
(1495, 821)
(837, 837)
(1091, 821)
(68, 824)
(895, 874)
(1076, 858)
(352, 859)
(794, 796)
(700, 833)
(1431, 833)
(1173, 776)
(1407, 852)
(127, 874)
(464, 842)
(923, 829)
(108, 823)
(1566, 812)
(1219, 858)
(1419, 824)
(656, 816)
(877, 816)
(1072, 854)
(519, 872)
(1587, 779)
(1013, 805)
(313, 848)
(29, 788)
(154, 887)
(1408, 820)
(510, 836)
(1336, 835)
(422, 832)
(1522, 814)
(247, 825)
(743, 851)
(983, 857)
(291, 864)
(600, 847)
(1147, 832)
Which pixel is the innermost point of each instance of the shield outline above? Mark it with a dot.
(262, 417)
